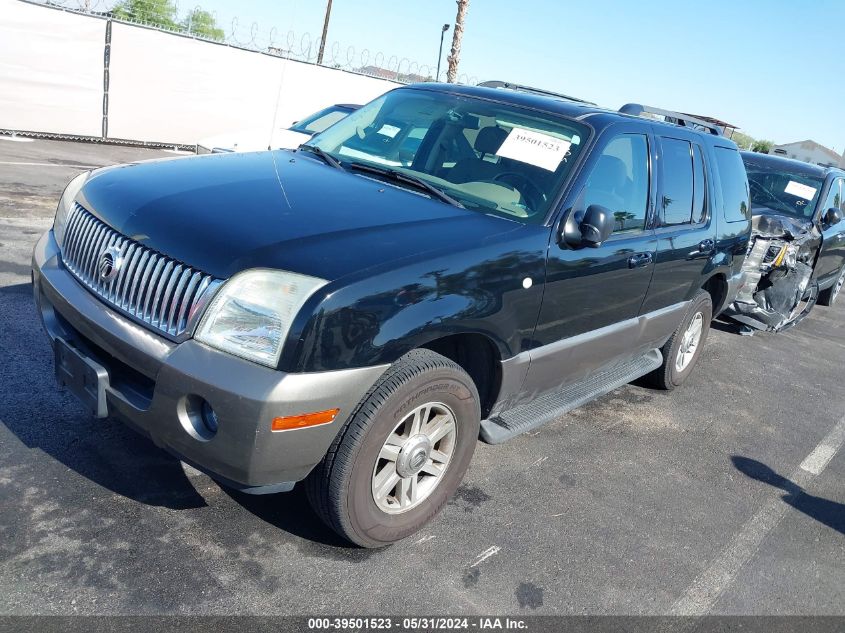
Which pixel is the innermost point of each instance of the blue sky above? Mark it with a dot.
(765, 65)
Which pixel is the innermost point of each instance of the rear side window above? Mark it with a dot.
(677, 181)
(734, 184)
(619, 181)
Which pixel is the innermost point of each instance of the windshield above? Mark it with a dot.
(783, 191)
(490, 157)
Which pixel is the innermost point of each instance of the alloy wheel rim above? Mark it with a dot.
(690, 342)
(414, 458)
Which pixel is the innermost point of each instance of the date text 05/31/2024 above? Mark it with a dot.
(417, 624)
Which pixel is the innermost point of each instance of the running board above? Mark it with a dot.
(553, 405)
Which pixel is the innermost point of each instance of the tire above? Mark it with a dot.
(341, 489)
(828, 297)
(670, 374)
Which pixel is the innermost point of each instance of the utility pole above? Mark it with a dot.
(457, 35)
(440, 54)
(325, 32)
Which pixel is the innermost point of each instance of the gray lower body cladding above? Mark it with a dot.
(152, 383)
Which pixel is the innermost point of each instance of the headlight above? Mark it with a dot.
(66, 205)
(251, 314)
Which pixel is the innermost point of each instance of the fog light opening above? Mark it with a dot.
(209, 417)
(198, 418)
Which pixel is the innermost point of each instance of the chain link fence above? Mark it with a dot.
(299, 46)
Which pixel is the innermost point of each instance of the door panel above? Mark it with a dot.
(685, 237)
(588, 289)
(832, 254)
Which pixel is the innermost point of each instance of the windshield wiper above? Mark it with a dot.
(408, 179)
(327, 158)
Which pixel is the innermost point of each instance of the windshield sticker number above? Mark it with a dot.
(388, 130)
(800, 191)
(534, 148)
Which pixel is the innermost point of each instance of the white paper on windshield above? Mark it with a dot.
(388, 130)
(534, 148)
(802, 191)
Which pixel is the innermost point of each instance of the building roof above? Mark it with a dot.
(812, 145)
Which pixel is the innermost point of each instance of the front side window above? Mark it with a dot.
(783, 190)
(619, 182)
(677, 181)
(834, 197)
(734, 184)
(490, 157)
(320, 121)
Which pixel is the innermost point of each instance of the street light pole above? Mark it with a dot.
(440, 54)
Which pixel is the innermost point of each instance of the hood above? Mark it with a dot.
(768, 223)
(223, 213)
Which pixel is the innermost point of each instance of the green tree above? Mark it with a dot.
(156, 12)
(743, 141)
(762, 146)
(203, 24)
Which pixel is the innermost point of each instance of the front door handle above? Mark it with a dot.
(639, 260)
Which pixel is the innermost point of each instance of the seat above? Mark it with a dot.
(488, 141)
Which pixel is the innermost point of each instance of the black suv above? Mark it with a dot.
(797, 251)
(444, 263)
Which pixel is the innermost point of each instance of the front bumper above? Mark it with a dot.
(154, 382)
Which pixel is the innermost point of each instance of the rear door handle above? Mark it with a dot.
(639, 260)
(705, 247)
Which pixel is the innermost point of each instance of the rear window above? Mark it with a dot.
(737, 207)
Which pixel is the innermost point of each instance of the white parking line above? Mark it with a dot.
(706, 589)
(818, 460)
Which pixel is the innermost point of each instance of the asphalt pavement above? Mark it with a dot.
(726, 496)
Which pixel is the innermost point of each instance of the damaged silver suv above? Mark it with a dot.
(796, 256)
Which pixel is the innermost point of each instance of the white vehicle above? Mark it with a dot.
(286, 138)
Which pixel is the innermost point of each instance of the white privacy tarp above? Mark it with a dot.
(166, 87)
(51, 70)
(163, 87)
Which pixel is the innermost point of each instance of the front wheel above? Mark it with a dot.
(828, 297)
(681, 351)
(401, 455)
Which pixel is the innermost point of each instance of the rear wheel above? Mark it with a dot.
(402, 453)
(828, 297)
(681, 351)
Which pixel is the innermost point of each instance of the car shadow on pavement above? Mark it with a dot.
(47, 419)
(825, 511)
(291, 513)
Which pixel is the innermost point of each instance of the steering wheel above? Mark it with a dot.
(524, 185)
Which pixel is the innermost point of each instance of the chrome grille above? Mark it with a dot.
(150, 287)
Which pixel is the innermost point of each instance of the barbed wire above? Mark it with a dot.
(298, 46)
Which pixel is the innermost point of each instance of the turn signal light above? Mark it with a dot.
(303, 420)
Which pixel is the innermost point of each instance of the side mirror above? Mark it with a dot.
(832, 216)
(588, 228)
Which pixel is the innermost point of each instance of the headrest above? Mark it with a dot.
(611, 171)
(490, 139)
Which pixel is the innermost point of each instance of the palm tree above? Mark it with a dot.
(622, 217)
(457, 36)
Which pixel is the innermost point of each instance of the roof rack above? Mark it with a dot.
(678, 118)
(534, 91)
